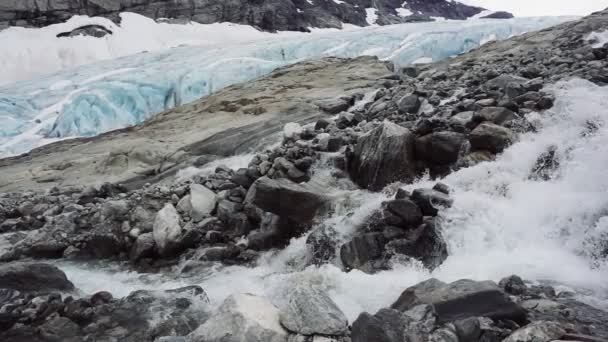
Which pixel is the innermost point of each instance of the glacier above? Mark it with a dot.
(94, 98)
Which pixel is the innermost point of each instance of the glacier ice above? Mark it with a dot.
(94, 98)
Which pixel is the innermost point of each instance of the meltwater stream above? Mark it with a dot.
(95, 98)
(502, 223)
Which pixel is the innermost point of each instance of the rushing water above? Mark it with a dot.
(502, 223)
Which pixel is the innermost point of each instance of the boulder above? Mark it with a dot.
(310, 311)
(462, 299)
(202, 202)
(282, 197)
(537, 332)
(497, 115)
(96, 31)
(242, 318)
(382, 156)
(389, 325)
(424, 243)
(409, 104)
(430, 200)
(34, 277)
(166, 230)
(402, 213)
(361, 250)
(143, 247)
(440, 148)
(491, 137)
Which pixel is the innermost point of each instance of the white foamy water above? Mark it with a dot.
(502, 223)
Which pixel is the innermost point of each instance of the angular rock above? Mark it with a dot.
(282, 197)
(382, 156)
(425, 244)
(537, 332)
(33, 277)
(242, 318)
(361, 250)
(143, 247)
(405, 213)
(496, 115)
(409, 104)
(430, 200)
(310, 311)
(202, 201)
(490, 137)
(167, 230)
(440, 148)
(462, 299)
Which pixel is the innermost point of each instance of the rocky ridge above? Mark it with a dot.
(432, 118)
(269, 15)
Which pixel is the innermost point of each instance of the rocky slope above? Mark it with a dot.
(434, 119)
(268, 15)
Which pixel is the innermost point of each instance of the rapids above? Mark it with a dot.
(502, 223)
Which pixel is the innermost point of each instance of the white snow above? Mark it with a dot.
(598, 39)
(371, 15)
(339, 2)
(97, 97)
(481, 14)
(29, 52)
(423, 60)
(403, 12)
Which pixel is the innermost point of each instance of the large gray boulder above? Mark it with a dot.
(35, 277)
(284, 198)
(462, 299)
(166, 230)
(382, 156)
(440, 148)
(310, 311)
(491, 137)
(202, 202)
(537, 332)
(242, 318)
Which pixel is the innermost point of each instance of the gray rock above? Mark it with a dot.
(361, 250)
(409, 104)
(202, 202)
(96, 31)
(143, 247)
(382, 156)
(490, 137)
(167, 231)
(310, 311)
(242, 318)
(462, 299)
(430, 200)
(440, 148)
(282, 197)
(33, 277)
(537, 332)
(405, 213)
(497, 115)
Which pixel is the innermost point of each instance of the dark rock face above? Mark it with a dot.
(268, 15)
(299, 202)
(96, 31)
(383, 156)
(35, 277)
(462, 299)
(499, 15)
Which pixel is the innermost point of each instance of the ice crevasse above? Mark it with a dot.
(95, 98)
